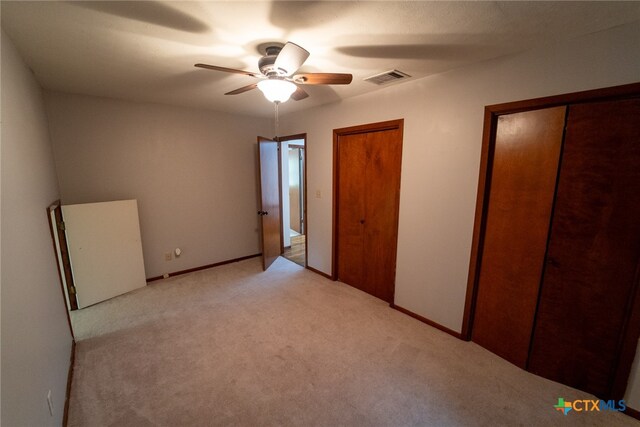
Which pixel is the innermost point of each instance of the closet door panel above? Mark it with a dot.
(594, 248)
(522, 184)
(381, 199)
(352, 160)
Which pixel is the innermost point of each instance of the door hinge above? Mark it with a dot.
(61, 226)
(72, 290)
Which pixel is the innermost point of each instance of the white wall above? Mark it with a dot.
(192, 171)
(36, 340)
(441, 155)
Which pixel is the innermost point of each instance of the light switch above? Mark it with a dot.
(318, 194)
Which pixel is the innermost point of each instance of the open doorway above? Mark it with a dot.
(293, 180)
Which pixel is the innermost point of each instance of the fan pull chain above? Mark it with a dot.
(276, 121)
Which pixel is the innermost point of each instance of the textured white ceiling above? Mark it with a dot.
(145, 51)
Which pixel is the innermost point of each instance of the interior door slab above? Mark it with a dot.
(105, 249)
(523, 177)
(592, 263)
(270, 200)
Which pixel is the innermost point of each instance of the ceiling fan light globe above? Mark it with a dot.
(276, 90)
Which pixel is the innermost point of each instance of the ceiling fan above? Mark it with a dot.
(277, 68)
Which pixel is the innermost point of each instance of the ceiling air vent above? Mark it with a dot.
(387, 77)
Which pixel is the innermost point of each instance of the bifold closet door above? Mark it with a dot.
(594, 249)
(367, 213)
(522, 183)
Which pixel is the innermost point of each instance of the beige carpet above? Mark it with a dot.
(236, 346)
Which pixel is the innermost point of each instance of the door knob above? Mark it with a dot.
(261, 213)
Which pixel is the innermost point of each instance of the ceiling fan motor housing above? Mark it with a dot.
(266, 63)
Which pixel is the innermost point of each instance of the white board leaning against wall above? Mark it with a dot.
(105, 249)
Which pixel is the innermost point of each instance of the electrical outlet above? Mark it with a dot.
(50, 403)
(167, 256)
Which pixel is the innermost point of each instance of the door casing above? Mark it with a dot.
(54, 217)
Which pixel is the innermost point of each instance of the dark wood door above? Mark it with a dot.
(268, 155)
(592, 264)
(522, 185)
(352, 165)
(368, 164)
(382, 197)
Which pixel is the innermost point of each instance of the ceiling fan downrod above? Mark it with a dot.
(276, 120)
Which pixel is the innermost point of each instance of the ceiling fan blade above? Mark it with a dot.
(299, 94)
(227, 70)
(290, 58)
(323, 79)
(242, 89)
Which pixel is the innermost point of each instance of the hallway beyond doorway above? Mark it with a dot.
(293, 194)
(295, 252)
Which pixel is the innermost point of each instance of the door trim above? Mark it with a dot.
(491, 113)
(353, 130)
(60, 260)
(304, 201)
